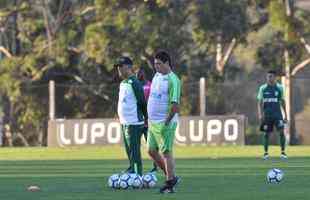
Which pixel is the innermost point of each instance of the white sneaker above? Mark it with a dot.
(283, 156)
(266, 156)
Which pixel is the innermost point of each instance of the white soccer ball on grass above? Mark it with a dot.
(124, 181)
(275, 176)
(113, 181)
(149, 180)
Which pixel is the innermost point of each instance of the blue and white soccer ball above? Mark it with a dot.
(275, 176)
(149, 180)
(137, 181)
(131, 179)
(113, 181)
(124, 181)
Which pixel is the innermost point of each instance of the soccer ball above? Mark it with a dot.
(149, 180)
(137, 182)
(274, 176)
(113, 181)
(132, 178)
(124, 180)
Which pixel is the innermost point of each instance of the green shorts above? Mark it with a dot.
(161, 137)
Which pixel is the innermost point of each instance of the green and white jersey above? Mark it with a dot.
(271, 97)
(131, 103)
(165, 90)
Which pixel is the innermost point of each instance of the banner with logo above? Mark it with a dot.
(209, 130)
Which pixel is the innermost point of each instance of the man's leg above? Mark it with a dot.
(135, 132)
(266, 127)
(154, 168)
(282, 144)
(145, 132)
(282, 141)
(126, 139)
(152, 145)
(168, 133)
(169, 165)
(145, 129)
(266, 141)
(280, 127)
(158, 159)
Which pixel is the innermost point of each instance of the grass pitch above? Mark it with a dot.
(213, 173)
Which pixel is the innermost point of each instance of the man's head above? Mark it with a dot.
(271, 77)
(124, 66)
(162, 62)
(141, 74)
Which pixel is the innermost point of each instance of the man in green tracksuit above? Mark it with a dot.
(132, 112)
(270, 100)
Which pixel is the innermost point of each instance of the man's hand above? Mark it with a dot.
(260, 117)
(116, 118)
(172, 112)
(146, 123)
(167, 123)
(260, 111)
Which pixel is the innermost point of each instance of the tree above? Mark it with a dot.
(75, 43)
(289, 39)
(215, 18)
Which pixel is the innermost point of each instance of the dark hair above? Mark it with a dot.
(123, 61)
(140, 70)
(272, 72)
(163, 56)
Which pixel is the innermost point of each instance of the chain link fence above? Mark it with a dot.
(301, 108)
(29, 115)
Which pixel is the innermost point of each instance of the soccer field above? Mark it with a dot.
(207, 173)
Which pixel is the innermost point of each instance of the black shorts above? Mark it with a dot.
(268, 124)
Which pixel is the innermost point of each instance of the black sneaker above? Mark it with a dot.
(166, 188)
(170, 185)
(175, 181)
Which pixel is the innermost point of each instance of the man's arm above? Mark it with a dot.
(260, 104)
(174, 109)
(283, 104)
(260, 110)
(174, 98)
(138, 91)
(284, 109)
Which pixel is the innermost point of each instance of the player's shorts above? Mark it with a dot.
(268, 124)
(161, 137)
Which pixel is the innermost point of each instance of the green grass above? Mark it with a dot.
(207, 173)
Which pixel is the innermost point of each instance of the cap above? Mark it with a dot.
(124, 61)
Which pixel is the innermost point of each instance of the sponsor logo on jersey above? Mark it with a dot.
(270, 100)
(276, 93)
(156, 95)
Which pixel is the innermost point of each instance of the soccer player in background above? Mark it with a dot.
(163, 108)
(146, 89)
(132, 113)
(270, 100)
(145, 83)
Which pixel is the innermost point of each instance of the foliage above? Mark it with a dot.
(76, 42)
